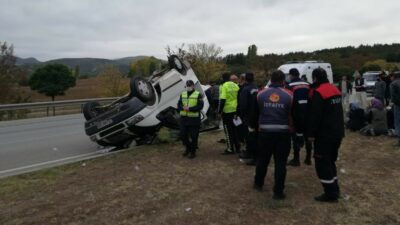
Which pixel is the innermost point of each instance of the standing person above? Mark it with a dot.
(227, 108)
(190, 104)
(346, 89)
(242, 129)
(361, 95)
(326, 130)
(214, 92)
(247, 100)
(380, 88)
(387, 92)
(395, 95)
(304, 78)
(272, 114)
(234, 79)
(300, 91)
(242, 80)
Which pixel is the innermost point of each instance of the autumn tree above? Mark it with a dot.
(112, 82)
(145, 67)
(7, 71)
(10, 77)
(205, 59)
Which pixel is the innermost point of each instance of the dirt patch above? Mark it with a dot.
(155, 185)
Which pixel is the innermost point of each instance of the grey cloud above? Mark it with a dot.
(98, 28)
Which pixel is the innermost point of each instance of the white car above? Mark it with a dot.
(151, 103)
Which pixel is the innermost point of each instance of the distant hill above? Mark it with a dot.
(27, 61)
(87, 66)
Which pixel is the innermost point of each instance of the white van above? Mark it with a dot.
(306, 68)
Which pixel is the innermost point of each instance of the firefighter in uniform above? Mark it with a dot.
(190, 105)
(227, 108)
(273, 116)
(247, 99)
(300, 91)
(326, 130)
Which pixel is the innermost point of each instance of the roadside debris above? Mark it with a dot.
(137, 168)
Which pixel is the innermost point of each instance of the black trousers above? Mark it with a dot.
(230, 130)
(242, 131)
(297, 145)
(190, 136)
(278, 146)
(251, 144)
(325, 154)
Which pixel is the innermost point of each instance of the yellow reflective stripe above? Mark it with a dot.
(190, 101)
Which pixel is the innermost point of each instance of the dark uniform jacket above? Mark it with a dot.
(191, 120)
(247, 100)
(273, 111)
(300, 91)
(359, 84)
(395, 91)
(326, 113)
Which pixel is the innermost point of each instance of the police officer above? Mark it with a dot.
(326, 130)
(273, 116)
(247, 99)
(227, 108)
(190, 104)
(300, 91)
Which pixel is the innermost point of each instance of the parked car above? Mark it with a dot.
(151, 104)
(370, 78)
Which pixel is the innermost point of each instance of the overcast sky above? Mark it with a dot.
(48, 29)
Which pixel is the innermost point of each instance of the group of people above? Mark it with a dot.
(380, 115)
(269, 121)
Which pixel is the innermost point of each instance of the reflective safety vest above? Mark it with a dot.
(229, 91)
(190, 101)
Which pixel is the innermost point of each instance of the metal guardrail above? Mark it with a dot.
(7, 107)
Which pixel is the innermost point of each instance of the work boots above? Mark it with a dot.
(325, 198)
(294, 162)
(192, 155)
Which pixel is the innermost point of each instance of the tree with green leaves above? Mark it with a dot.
(378, 65)
(251, 55)
(52, 80)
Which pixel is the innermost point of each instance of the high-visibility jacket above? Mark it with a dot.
(229, 92)
(190, 101)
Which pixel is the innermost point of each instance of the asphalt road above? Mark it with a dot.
(32, 144)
